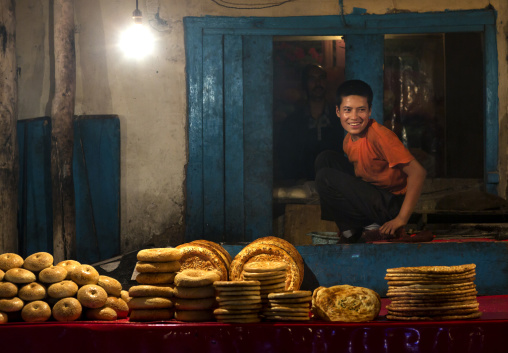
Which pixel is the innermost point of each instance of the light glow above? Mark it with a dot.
(137, 42)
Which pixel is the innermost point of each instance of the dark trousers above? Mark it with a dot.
(349, 201)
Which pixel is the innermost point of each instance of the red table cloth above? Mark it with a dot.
(487, 334)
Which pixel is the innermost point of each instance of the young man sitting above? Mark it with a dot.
(378, 184)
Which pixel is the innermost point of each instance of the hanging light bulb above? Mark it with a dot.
(137, 15)
(137, 41)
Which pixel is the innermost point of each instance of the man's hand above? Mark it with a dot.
(391, 226)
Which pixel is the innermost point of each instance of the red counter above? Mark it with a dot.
(488, 334)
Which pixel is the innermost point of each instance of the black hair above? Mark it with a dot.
(306, 71)
(354, 88)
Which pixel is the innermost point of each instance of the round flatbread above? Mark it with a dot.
(264, 275)
(228, 306)
(237, 293)
(292, 294)
(194, 292)
(159, 255)
(285, 309)
(151, 267)
(433, 269)
(194, 304)
(291, 300)
(474, 315)
(147, 290)
(269, 249)
(217, 247)
(155, 278)
(229, 284)
(150, 303)
(197, 257)
(223, 311)
(287, 318)
(238, 297)
(267, 266)
(304, 305)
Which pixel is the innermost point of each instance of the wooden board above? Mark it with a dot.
(299, 220)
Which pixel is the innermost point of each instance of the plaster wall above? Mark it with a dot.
(149, 95)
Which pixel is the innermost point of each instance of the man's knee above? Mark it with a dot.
(324, 160)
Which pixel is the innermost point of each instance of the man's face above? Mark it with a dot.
(316, 83)
(354, 114)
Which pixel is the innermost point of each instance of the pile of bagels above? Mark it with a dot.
(35, 290)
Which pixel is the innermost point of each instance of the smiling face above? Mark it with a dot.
(354, 114)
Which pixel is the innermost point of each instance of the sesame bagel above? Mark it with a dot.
(19, 276)
(69, 265)
(119, 306)
(67, 309)
(196, 278)
(38, 261)
(111, 286)
(10, 260)
(8, 290)
(85, 274)
(32, 291)
(63, 289)
(11, 305)
(103, 314)
(36, 311)
(53, 274)
(92, 296)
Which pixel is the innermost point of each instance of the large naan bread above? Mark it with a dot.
(346, 303)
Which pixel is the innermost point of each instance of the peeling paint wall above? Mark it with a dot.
(149, 96)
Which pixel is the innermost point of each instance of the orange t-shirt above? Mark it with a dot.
(375, 155)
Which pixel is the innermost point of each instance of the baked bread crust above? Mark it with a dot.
(198, 257)
(288, 247)
(346, 303)
(260, 252)
(223, 252)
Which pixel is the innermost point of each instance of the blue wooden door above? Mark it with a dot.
(35, 209)
(96, 168)
(230, 139)
(96, 171)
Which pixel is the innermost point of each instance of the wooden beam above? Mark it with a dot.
(8, 140)
(62, 135)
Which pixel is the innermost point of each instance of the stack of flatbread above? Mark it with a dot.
(271, 249)
(239, 301)
(152, 299)
(271, 277)
(205, 255)
(432, 293)
(288, 306)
